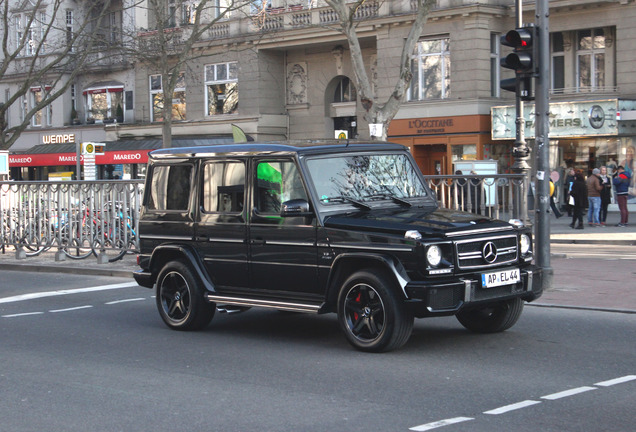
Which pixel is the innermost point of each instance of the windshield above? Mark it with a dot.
(364, 178)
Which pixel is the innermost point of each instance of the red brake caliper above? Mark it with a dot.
(355, 314)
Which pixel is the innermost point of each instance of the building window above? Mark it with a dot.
(17, 20)
(102, 103)
(345, 91)
(73, 99)
(221, 86)
(115, 26)
(590, 56)
(495, 74)
(43, 116)
(70, 31)
(189, 12)
(43, 27)
(430, 66)
(557, 78)
(157, 98)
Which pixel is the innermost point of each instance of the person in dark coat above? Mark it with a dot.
(567, 187)
(606, 194)
(579, 193)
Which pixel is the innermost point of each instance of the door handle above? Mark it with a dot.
(201, 238)
(258, 242)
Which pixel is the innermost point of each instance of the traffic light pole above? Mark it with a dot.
(520, 151)
(542, 145)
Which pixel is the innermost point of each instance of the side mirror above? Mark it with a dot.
(295, 207)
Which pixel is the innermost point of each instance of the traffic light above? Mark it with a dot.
(523, 60)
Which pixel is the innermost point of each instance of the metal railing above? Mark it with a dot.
(76, 219)
(497, 196)
(80, 219)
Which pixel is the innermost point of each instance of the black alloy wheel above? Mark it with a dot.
(371, 314)
(180, 298)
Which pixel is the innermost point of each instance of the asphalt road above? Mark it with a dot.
(96, 357)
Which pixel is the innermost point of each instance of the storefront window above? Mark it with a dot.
(464, 152)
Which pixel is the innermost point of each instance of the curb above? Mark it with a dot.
(588, 308)
(40, 268)
(593, 241)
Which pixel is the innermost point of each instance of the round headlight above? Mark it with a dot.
(524, 243)
(434, 255)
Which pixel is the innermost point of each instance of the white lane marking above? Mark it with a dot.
(566, 393)
(125, 301)
(71, 309)
(32, 296)
(527, 403)
(512, 407)
(615, 381)
(22, 314)
(429, 426)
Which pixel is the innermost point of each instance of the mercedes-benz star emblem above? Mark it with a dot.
(489, 252)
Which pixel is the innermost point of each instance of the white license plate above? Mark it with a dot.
(498, 278)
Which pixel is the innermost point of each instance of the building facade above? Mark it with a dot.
(283, 71)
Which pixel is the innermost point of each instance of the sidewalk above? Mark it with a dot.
(560, 231)
(585, 283)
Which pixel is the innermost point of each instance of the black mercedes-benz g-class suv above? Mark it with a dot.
(315, 227)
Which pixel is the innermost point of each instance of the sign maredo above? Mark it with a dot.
(57, 159)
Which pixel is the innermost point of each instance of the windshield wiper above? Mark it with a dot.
(341, 198)
(391, 197)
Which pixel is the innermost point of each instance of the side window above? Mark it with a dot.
(277, 182)
(223, 187)
(170, 187)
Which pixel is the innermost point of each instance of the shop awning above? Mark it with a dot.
(116, 152)
(62, 159)
(103, 87)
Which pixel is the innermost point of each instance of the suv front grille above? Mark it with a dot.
(486, 252)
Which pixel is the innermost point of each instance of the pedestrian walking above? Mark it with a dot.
(553, 206)
(579, 193)
(594, 198)
(606, 195)
(567, 187)
(621, 182)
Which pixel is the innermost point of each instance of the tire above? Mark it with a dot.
(180, 298)
(493, 318)
(372, 314)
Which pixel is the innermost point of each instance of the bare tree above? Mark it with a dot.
(378, 112)
(39, 50)
(170, 45)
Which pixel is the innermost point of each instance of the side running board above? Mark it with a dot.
(270, 304)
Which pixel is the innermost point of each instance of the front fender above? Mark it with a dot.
(347, 263)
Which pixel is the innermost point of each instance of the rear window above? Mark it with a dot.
(170, 187)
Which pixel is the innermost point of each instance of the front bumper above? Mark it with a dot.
(449, 295)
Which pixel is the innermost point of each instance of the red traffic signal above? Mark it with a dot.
(520, 38)
(523, 59)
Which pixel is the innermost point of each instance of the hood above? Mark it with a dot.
(430, 222)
